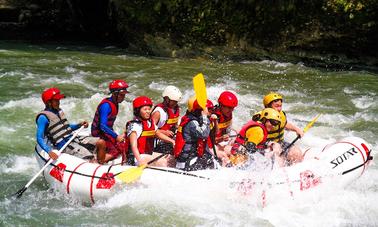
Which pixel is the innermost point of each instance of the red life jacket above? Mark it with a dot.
(173, 117)
(180, 141)
(223, 122)
(241, 137)
(95, 128)
(145, 141)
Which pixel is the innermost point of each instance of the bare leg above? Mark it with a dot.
(101, 151)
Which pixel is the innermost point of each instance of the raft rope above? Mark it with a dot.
(202, 177)
(78, 173)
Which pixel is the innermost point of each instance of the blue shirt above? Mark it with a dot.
(42, 124)
(104, 111)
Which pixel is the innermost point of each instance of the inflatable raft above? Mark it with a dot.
(340, 162)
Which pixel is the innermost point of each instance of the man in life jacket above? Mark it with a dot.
(141, 133)
(111, 145)
(252, 137)
(227, 101)
(53, 129)
(166, 116)
(294, 154)
(191, 149)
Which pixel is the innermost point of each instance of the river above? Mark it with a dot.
(346, 100)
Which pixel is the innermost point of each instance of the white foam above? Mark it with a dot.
(70, 69)
(350, 91)
(364, 102)
(18, 164)
(157, 86)
(32, 103)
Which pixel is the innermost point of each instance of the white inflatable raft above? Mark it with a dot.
(339, 163)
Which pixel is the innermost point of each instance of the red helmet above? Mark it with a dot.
(209, 105)
(51, 93)
(228, 98)
(118, 85)
(142, 101)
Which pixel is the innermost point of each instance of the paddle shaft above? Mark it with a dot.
(178, 172)
(21, 191)
(292, 143)
(212, 140)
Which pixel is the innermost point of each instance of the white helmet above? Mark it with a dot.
(173, 93)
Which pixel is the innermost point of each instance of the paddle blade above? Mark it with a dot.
(20, 192)
(309, 125)
(200, 90)
(131, 175)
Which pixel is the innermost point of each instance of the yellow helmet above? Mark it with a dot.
(191, 102)
(272, 96)
(271, 114)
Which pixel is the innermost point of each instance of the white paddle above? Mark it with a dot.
(22, 190)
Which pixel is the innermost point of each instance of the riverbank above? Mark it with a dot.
(329, 34)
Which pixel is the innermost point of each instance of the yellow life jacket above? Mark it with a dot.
(278, 135)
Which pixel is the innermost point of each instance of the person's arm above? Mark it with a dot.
(42, 123)
(161, 135)
(156, 116)
(104, 112)
(291, 127)
(133, 131)
(134, 146)
(200, 131)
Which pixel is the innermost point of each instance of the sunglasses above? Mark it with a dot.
(274, 122)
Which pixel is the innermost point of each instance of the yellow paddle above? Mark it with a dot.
(200, 90)
(201, 95)
(133, 174)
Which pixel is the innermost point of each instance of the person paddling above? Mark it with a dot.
(191, 149)
(110, 144)
(294, 154)
(227, 101)
(166, 116)
(53, 129)
(252, 137)
(141, 133)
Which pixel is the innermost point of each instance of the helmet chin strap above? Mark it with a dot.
(115, 95)
(166, 101)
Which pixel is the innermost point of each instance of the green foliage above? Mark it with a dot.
(276, 24)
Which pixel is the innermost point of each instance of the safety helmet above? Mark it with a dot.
(190, 102)
(228, 98)
(271, 114)
(272, 96)
(256, 116)
(51, 93)
(173, 93)
(209, 105)
(118, 86)
(142, 101)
